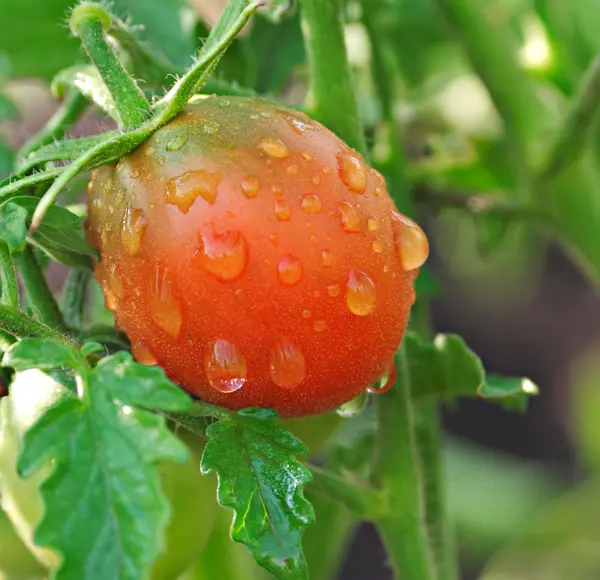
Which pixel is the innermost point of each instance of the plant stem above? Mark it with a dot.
(73, 299)
(63, 119)
(398, 473)
(8, 277)
(331, 86)
(577, 126)
(39, 295)
(22, 326)
(16, 185)
(362, 500)
(89, 22)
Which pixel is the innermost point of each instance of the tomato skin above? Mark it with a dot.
(253, 255)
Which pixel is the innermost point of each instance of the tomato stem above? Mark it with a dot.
(399, 474)
(40, 297)
(22, 326)
(331, 86)
(8, 277)
(57, 126)
(89, 23)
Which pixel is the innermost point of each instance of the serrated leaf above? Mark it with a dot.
(13, 225)
(43, 354)
(105, 510)
(447, 368)
(262, 481)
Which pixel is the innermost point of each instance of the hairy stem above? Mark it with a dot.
(400, 477)
(332, 90)
(89, 22)
(8, 278)
(39, 295)
(22, 326)
(57, 126)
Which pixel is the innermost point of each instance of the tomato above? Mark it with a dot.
(255, 257)
(191, 495)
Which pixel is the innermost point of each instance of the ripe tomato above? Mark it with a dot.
(191, 495)
(255, 256)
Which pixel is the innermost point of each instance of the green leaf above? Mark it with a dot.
(262, 481)
(13, 225)
(41, 353)
(447, 368)
(105, 511)
(57, 217)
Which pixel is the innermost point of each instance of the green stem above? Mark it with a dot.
(16, 185)
(577, 127)
(8, 278)
(400, 477)
(39, 295)
(22, 326)
(362, 500)
(57, 126)
(74, 294)
(331, 85)
(89, 22)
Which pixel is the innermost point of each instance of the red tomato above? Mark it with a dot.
(255, 256)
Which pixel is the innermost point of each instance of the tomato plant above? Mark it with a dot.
(250, 225)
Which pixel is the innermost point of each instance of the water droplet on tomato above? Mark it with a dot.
(150, 151)
(119, 197)
(326, 258)
(361, 294)
(274, 147)
(377, 246)
(133, 230)
(354, 407)
(334, 290)
(311, 203)
(142, 354)
(352, 172)
(224, 255)
(306, 313)
(326, 169)
(120, 167)
(277, 189)
(182, 191)
(135, 173)
(378, 192)
(298, 126)
(274, 239)
(250, 186)
(210, 127)
(114, 283)
(289, 270)
(225, 366)
(292, 169)
(385, 383)
(176, 143)
(282, 210)
(349, 218)
(319, 326)
(287, 365)
(411, 243)
(164, 307)
(373, 224)
(316, 179)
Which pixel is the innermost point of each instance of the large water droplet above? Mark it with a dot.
(225, 366)
(289, 270)
(224, 255)
(142, 354)
(349, 218)
(354, 407)
(298, 126)
(385, 383)
(274, 147)
(352, 172)
(361, 294)
(250, 186)
(282, 210)
(164, 307)
(133, 229)
(176, 143)
(411, 243)
(287, 365)
(182, 191)
(311, 203)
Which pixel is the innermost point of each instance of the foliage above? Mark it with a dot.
(528, 164)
